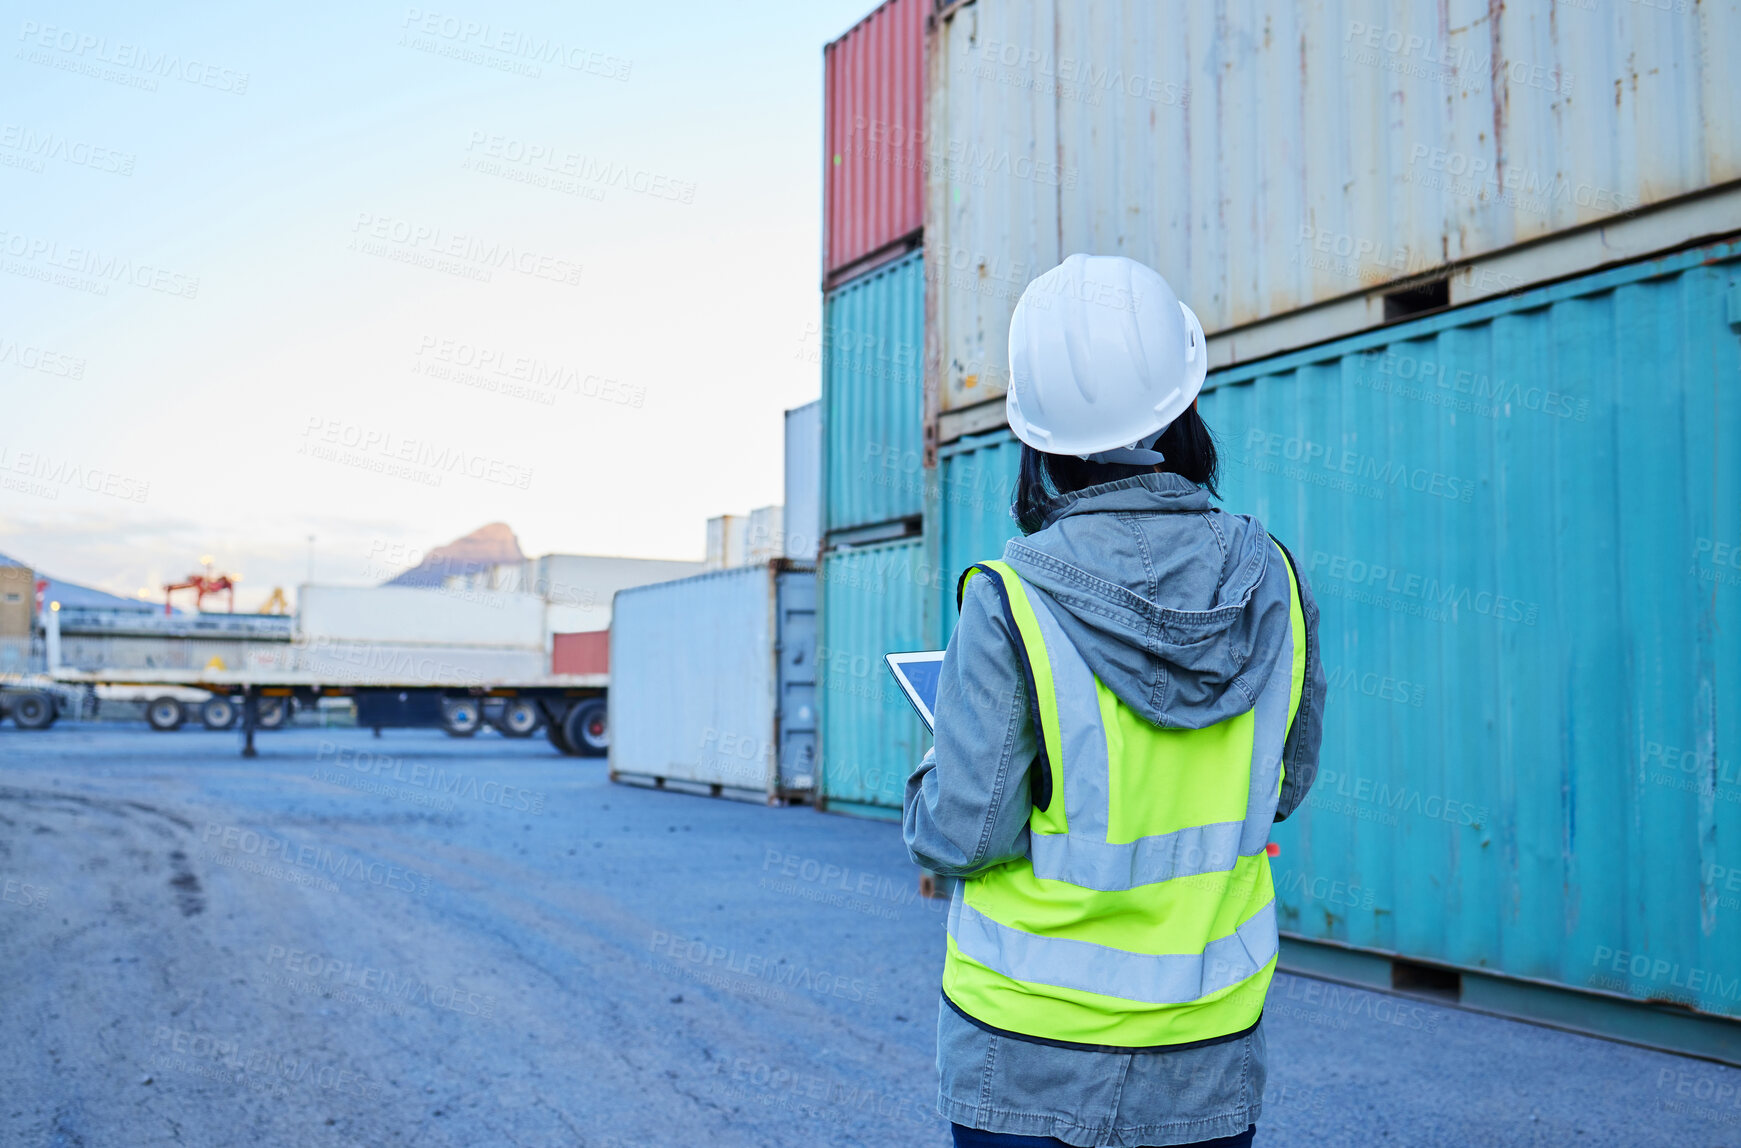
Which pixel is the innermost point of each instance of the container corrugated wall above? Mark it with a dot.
(872, 397)
(803, 483)
(871, 739)
(873, 122)
(1521, 520)
(694, 684)
(976, 480)
(1267, 156)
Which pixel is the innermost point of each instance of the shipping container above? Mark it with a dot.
(872, 398)
(17, 601)
(712, 682)
(582, 653)
(872, 604)
(725, 542)
(577, 588)
(1521, 520)
(440, 617)
(970, 518)
(873, 121)
(764, 535)
(1269, 157)
(803, 482)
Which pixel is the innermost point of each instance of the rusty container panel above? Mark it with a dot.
(873, 124)
(1521, 520)
(1266, 157)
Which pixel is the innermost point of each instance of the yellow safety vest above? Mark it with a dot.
(1143, 916)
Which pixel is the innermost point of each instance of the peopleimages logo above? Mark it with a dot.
(35, 147)
(139, 66)
(1681, 981)
(1335, 461)
(97, 268)
(1334, 784)
(1441, 601)
(1465, 389)
(52, 475)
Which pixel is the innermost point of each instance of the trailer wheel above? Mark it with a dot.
(519, 718)
(461, 717)
(553, 733)
(33, 711)
(218, 712)
(164, 714)
(587, 729)
(274, 712)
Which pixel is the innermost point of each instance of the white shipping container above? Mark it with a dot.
(1266, 157)
(713, 680)
(578, 588)
(764, 540)
(439, 617)
(725, 542)
(803, 506)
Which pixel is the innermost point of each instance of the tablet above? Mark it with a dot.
(917, 674)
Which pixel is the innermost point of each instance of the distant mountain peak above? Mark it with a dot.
(489, 545)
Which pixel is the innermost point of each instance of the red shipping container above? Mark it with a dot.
(873, 177)
(588, 652)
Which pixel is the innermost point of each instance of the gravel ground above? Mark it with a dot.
(323, 946)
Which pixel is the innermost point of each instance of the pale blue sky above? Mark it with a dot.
(218, 423)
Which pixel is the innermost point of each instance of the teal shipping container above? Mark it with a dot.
(872, 398)
(1514, 516)
(871, 739)
(968, 518)
(1522, 523)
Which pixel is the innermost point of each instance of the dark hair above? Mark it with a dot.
(1187, 443)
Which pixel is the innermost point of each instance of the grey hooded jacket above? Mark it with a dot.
(1181, 610)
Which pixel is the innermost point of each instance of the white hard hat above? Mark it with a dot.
(1103, 357)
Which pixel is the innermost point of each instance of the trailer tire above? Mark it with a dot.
(553, 733)
(165, 713)
(519, 718)
(587, 728)
(461, 717)
(33, 711)
(218, 712)
(273, 713)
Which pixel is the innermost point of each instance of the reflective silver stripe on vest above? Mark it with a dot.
(1083, 857)
(1079, 726)
(1145, 977)
(1106, 867)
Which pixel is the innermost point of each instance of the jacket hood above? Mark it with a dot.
(1172, 602)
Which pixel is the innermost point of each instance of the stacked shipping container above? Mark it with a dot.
(872, 399)
(803, 483)
(1515, 511)
(872, 404)
(1275, 157)
(1534, 667)
(873, 118)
